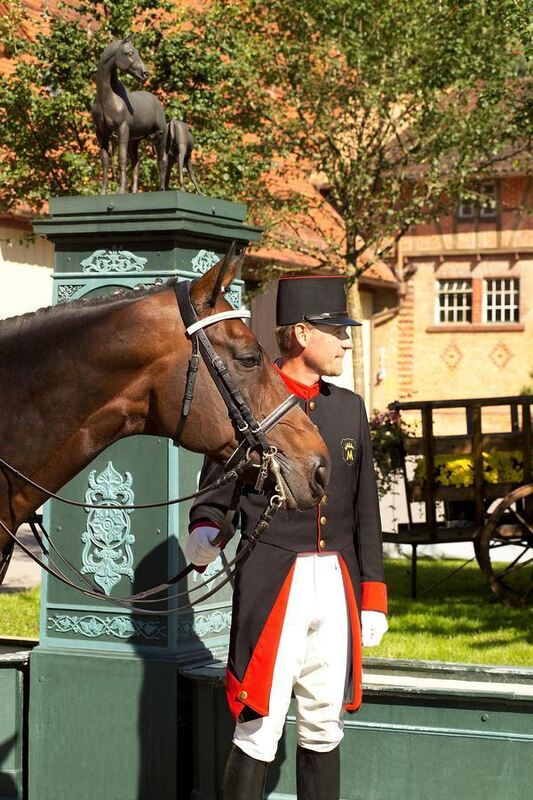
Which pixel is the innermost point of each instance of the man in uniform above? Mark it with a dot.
(311, 591)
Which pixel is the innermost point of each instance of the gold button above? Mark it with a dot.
(312, 405)
(243, 695)
(322, 544)
(323, 520)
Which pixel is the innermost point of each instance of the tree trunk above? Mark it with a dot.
(355, 311)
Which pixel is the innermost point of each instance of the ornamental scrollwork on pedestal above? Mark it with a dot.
(233, 296)
(119, 627)
(113, 261)
(210, 571)
(66, 290)
(204, 260)
(203, 624)
(107, 539)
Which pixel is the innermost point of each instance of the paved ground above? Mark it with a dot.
(23, 572)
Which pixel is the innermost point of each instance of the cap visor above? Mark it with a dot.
(337, 321)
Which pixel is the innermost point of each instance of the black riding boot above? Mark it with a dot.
(244, 777)
(318, 774)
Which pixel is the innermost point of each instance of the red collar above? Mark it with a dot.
(299, 389)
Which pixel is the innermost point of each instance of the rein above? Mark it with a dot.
(252, 436)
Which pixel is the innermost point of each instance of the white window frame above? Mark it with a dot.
(503, 298)
(455, 288)
(467, 209)
(488, 208)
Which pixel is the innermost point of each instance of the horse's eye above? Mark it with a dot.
(251, 359)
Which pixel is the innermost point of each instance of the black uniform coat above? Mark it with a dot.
(347, 522)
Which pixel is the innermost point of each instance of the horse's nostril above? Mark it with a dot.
(321, 478)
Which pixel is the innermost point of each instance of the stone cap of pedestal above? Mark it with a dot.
(146, 213)
(15, 651)
(402, 678)
(440, 678)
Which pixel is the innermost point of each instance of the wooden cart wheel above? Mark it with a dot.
(509, 572)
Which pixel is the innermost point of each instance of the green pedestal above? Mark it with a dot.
(14, 684)
(426, 731)
(103, 715)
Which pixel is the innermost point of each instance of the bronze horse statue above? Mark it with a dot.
(131, 116)
(76, 377)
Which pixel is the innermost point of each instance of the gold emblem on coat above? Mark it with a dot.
(348, 451)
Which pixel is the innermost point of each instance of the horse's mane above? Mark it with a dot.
(63, 317)
(110, 50)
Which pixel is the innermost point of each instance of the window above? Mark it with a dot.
(485, 207)
(454, 301)
(501, 300)
(467, 209)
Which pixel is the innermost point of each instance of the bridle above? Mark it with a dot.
(251, 437)
(251, 433)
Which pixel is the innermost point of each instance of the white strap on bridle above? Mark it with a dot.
(204, 323)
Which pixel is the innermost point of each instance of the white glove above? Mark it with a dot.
(373, 626)
(198, 548)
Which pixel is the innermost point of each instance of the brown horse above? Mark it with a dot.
(77, 377)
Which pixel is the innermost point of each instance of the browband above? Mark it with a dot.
(204, 323)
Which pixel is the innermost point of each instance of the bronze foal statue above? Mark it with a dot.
(179, 147)
(130, 116)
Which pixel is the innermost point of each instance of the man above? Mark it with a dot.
(314, 581)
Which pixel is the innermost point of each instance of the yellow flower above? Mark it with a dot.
(499, 467)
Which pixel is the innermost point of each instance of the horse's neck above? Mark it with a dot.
(108, 84)
(64, 423)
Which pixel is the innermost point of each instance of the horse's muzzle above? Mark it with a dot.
(320, 478)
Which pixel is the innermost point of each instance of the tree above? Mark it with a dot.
(398, 106)
(48, 146)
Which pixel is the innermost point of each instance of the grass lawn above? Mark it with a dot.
(459, 621)
(19, 613)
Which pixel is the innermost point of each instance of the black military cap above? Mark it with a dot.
(319, 299)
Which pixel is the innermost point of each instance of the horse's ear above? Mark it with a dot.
(206, 290)
(128, 38)
(222, 278)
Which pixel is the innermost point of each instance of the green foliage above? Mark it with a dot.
(387, 433)
(399, 104)
(48, 145)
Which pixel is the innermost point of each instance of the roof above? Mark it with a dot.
(379, 274)
(29, 26)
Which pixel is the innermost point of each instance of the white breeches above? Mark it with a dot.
(311, 661)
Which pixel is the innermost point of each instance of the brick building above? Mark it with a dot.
(451, 315)
(462, 323)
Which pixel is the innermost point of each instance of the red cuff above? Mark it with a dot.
(374, 596)
(202, 523)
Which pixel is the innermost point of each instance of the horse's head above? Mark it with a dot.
(127, 59)
(303, 455)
